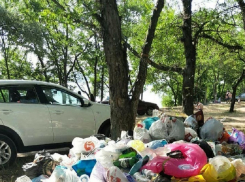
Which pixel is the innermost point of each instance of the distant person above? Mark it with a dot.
(228, 96)
(217, 101)
(199, 116)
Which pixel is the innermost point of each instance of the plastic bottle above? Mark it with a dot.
(136, 167)
(140, 178)
(84, 178)
(125, 162)
(157, 143)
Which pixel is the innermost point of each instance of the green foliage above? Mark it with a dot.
(58, 31)
(19, 67)
(167, 101)
(21, 32)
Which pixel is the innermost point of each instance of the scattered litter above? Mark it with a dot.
(160, 149)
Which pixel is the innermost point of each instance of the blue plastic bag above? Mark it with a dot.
(84, 166)
(148, 122)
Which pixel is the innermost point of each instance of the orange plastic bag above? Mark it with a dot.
(225, 136)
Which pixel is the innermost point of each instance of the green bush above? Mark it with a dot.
(167, 101)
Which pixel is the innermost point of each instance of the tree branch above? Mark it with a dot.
(241, 57)
(59, 5)
(80, 87)
(95, 15)
(242, 7)
(199, 31)
(152, 63)
(232, 47)
(82, 71)
(73, 64)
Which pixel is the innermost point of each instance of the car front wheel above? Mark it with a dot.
(149, 111)
(107, 131)
(8, 151)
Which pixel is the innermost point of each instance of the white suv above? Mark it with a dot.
(37, 115)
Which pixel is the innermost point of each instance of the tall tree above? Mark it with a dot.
(123, 110)
(190, 55)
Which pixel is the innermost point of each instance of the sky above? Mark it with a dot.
(152, 97)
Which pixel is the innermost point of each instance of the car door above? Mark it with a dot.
(69, 119)
(26, 116)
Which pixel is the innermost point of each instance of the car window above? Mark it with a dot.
(60, 97)
(18, 94)
(4, 95)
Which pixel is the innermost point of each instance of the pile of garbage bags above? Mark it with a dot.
(161, 149)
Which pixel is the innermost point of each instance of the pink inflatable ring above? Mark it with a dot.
(190, 164)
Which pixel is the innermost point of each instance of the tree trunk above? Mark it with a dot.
(121, 115)
(43, 67)
(102, 84)
(242, 7)
(215, 91)
(123, 110)
(234, 88)
(4, 49)
(85, 78)
(95, 78)
(190, 55)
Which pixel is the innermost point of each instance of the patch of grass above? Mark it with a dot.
(11, 173)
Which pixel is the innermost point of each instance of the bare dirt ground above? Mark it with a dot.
(217, 111)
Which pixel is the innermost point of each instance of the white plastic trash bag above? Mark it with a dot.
(220, 163)
(240, 167)
(115, 174)
(212, 130)
(168, 128)
(141, 134)
(190, 121)
(98, 173)
(23, 179)
(158, 129)
(85, 145)
(175, 128)
(106, 156)
(62, 173)
(190, 134)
